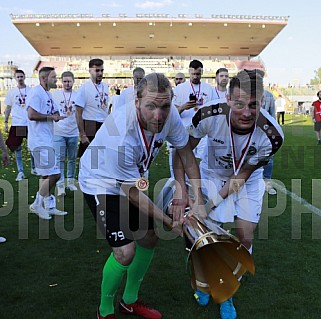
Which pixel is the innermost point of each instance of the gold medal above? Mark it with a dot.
(142, 184)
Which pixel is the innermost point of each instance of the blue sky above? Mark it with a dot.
(291, 57)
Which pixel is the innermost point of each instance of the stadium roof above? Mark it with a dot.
(149, 34)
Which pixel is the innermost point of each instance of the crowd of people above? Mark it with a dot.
(221, 138)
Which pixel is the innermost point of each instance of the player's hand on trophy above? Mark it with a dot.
(177, 210)
(198, 210)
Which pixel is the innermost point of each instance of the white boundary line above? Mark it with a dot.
(297, 198)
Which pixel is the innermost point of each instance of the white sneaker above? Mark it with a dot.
(71, 185)
(269, 188)
(2, 240)
(20, 176)
(40, 211)
(57, 212)
(34, 172)
(60, 189)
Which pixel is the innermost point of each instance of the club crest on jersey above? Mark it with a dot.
(252, 150)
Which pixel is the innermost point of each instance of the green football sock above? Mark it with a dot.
(113, 274)
(136, 272)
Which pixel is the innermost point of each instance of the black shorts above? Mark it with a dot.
(119, 220)
(317, 126)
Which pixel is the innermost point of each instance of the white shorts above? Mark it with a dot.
(45, 161)
(247, 204)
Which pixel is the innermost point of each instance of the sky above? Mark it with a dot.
(291, 58)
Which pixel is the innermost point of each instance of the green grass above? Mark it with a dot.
(53, 270)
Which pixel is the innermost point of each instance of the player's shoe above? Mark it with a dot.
(99, 316)
(71, 185)
(34, 172)
(269, 187)
(201, 297)
(227, 310)
(40, 211)
(140, 309)
(20, 176)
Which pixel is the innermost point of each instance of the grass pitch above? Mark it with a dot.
(53, 270)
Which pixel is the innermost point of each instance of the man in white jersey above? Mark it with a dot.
(128, 94)
(191, 95)
(220, 90)
(16, 105)
(179, 78)
(112, 177)
(242, 137)
(66, 133)
(92, 104)
(42, 112)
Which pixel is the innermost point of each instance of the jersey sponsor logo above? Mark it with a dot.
(218, 141)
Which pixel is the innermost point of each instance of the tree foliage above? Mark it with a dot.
(317, 77)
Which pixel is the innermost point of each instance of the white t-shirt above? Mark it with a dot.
(117, 151)
(203, 92)
(219, 96)
(126, 96)
(213, 121)
(40, 133)
(67, 107)
(280, 103)
(16, 98)
(93, 98)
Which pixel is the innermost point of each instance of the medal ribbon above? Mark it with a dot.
(67, 102)
(100, 94)
(22, 96)
(147, 147)
(199, 90)
(51, 101)
(238, 164)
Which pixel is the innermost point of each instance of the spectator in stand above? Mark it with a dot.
(16, 104)
(92, 104)
(66, 133)
(280, 108)
(316, 116)
(5, 163)
(128, 94)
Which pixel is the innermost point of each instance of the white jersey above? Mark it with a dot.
(93, 98)
(118, 154)
(126, 96)
(203, 92)
(256, 148)
(16, 98)
(40, 133)
(67, 107)
(219, 96)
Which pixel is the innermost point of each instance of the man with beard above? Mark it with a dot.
(191, 95)
(220, 91)
(92, 104)
(42, 112)
(112, 178)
